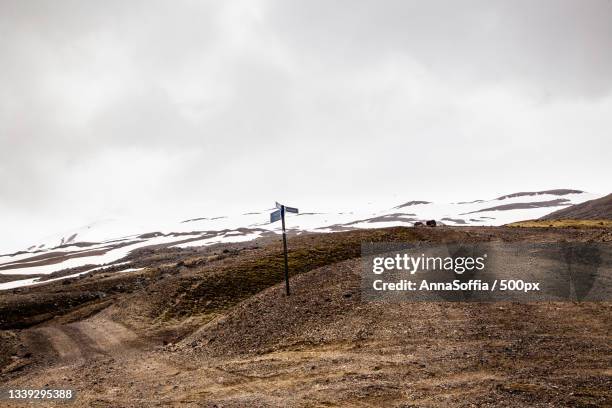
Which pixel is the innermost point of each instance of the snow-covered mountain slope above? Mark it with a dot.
(109, 241)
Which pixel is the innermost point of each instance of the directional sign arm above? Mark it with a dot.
(287, 209)
(275, 216)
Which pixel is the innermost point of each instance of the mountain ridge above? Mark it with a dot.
(600, 208)
(107, 242)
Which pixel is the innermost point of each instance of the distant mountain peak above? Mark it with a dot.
(556, 192)
(409, 203)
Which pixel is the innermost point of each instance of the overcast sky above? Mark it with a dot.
(193, 108)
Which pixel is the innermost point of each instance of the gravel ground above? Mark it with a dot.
(165, 337)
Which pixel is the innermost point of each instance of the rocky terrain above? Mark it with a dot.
(598, 209)
(211, 326)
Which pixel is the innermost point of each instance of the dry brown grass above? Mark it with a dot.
(562, 224)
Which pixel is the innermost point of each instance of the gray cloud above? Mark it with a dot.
(149, 107)
(561, 47)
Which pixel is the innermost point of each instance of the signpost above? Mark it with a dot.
(280, 215)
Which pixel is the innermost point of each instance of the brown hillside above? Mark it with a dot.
(211, 326)
(599, 209)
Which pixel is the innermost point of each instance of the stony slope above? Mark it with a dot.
(598, 209)
(213, 328)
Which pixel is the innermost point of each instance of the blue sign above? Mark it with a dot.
(275, 216)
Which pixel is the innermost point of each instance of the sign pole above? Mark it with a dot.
(279, 214)
(282, 210)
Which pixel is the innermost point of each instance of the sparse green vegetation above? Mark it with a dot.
(225, 285)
